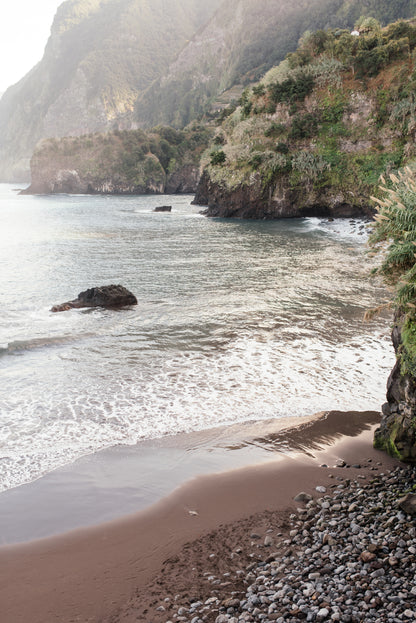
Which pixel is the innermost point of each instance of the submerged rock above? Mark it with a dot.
(112, 297)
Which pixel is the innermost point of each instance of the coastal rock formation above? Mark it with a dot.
(311, 138)
(163, 209)
(277, 201)
(397, 432)
(111, 297)
(127, 163)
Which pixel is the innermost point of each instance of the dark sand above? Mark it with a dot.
(121, 571)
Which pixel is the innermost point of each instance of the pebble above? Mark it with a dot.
(351, 557)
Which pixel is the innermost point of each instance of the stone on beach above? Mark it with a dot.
(408, 504)
(302, 497)
(350, 559)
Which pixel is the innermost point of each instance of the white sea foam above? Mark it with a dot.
(348, 229)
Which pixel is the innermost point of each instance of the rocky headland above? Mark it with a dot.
(280, 200)
(136, 162)
(314, 135)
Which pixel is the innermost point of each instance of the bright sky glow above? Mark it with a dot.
(24, 31)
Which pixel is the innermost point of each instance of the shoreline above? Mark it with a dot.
(123, 480)
(92, 573)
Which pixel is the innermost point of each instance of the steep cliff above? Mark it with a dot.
(122, 162)
(240, 43)
(397, 432)
(314, 135)
(100, 56)
(134, 63)
(393, 237)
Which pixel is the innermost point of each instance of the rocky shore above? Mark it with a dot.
(347, 554)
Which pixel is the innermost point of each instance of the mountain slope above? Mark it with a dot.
(242, 40)
(100, 56)
(313, 137)
(121, 64)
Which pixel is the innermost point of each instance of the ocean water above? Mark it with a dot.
(237, 321)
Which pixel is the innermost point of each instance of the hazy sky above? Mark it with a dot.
(24, 30)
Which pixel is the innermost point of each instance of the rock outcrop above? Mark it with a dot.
(312, 138)
(111, 297)
(397, 432)
(278, 201)
(163, 160)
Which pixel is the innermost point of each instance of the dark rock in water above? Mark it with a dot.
(163, 209)
(112, 297)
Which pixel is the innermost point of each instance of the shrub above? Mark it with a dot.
(282, 148)
(404, 113)
(303, 126)
(218, 157)
(309, 165)
(292, 89)
(246, 104)
(259, 90)
(219, 139)
(275, 129)
(394, 233)
(255, 160)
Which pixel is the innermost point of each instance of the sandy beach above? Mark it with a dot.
(120, 570)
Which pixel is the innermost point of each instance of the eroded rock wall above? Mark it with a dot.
(397, 432)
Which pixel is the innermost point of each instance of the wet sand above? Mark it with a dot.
(113, 572)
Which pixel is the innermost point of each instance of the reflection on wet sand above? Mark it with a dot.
(320, 432)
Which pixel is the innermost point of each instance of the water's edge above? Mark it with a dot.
(121, 480)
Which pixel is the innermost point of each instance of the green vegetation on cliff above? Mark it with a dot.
(394, 236)
(323, 125)
(240, 43)
(160, 160)
(127, 63)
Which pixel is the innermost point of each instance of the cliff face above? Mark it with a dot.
(121, 162)
(242, 40)
(397, 432)
(277, 201)
(313, 137)
(101, 55)
(134, 63)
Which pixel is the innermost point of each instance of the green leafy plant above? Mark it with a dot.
(292, 89)
(394, 236)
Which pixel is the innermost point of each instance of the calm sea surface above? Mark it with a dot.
(237, 321)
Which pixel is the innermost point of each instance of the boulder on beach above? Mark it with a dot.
(111, 297)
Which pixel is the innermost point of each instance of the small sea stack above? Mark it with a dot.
(110, 297)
